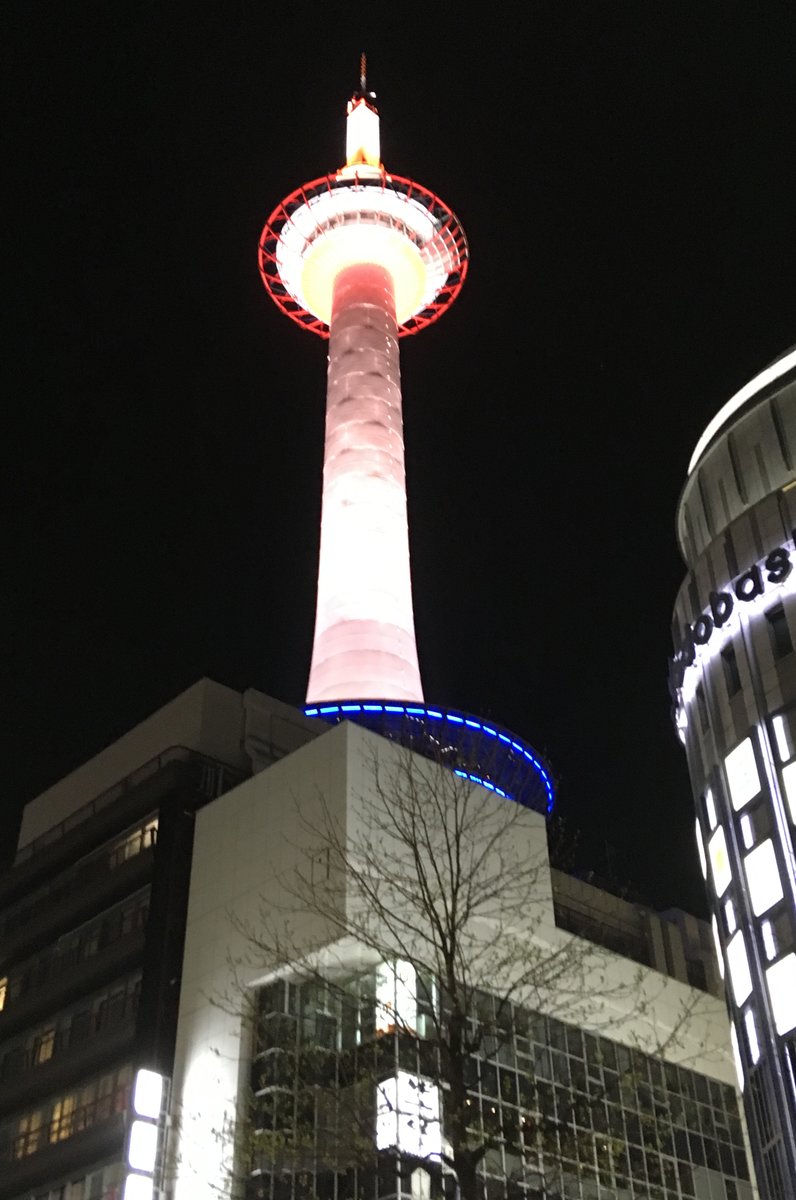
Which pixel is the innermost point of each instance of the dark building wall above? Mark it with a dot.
(92, 924)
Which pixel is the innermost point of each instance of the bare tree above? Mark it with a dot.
(440, 892)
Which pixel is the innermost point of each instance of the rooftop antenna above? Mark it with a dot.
(363, 72)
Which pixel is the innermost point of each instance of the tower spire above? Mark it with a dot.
(362, 144)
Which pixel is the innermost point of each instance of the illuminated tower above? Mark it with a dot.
(363, 258)
(733, 680)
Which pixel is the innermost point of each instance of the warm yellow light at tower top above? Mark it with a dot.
(357, 243)
(362, 142)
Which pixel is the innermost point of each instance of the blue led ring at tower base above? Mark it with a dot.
(472, 749)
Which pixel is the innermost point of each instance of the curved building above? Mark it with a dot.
(733, 683)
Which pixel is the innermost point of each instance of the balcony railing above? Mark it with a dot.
(64, 887)
(65, 1125)
(87, 1026)
(216, 778)
(84, 944)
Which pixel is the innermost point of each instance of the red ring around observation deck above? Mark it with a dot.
(448, 225)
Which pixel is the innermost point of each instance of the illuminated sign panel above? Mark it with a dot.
(148, 1094)
(762, 876)
(720, 867)
(774, 569)
(743, 779)
(145, 1136)
(781, 979)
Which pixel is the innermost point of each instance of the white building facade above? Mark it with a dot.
(644, 1059)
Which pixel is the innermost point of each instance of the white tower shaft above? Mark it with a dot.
(364, 644)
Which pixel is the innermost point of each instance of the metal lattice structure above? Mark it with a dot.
(315, 209)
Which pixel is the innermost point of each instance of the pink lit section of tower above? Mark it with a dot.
(363, 258)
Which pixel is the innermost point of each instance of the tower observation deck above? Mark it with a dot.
(364, 257)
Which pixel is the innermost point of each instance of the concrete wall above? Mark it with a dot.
(248, 845)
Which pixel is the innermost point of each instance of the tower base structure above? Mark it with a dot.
(476, 750)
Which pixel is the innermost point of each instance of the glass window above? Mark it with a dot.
(782, 736)
(28, 1135)
(789, 783)
(769, 941)
(738, 964)
(751, 1035)
(79, 1027)
(133, 843)
(732, 676)
(43, 1046)
(63, 1115)
(729, 916)
(778, 631)
(703, 708)
(747, 832)
(710, 809)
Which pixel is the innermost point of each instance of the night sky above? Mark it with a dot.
(624, 173)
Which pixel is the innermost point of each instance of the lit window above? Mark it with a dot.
(43, 1046)
(710, 808)
(781, 980)
(742, 776)
(789, 780)
(396, 996)
(133, 843)
(3, 992)
(28, 1135)
(719, 862)
(738, 964)
(762, 877)
(778, 631)
(782, 738)
(769, 941)
(729, 916)
(408, 1116)
(719, 955)
(747, 833)
(751, 1035)
(701, 849)
(63, 1114)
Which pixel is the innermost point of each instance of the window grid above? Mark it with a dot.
(571, 1114)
